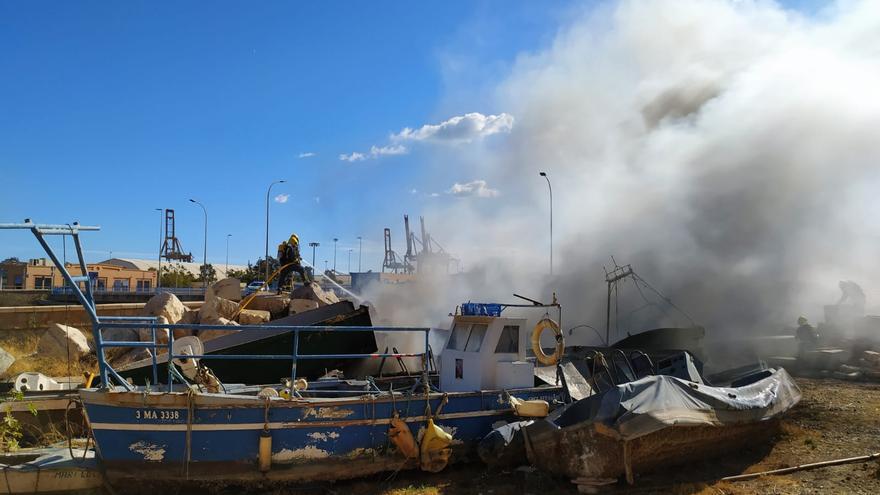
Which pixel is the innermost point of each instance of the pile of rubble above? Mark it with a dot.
(221, 308)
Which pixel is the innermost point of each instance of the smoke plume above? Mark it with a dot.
(727, 149)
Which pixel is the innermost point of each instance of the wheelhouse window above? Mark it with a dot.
(475, 339)
(467, 337)
(508, 342)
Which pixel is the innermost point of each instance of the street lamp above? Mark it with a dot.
(266, 255)
(325, 266)
(360, 251)
(349, 260)
(334, 254)
(159, 275)
(544, 175)
(226, 275)
(205, 252)
(313, 245)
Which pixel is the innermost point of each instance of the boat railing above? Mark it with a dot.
(82, 287)
(156, 347)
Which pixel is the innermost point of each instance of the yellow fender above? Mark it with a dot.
(544, 359)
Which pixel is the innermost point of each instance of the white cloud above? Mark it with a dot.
(317, 199)
(477, 188)
(459, 129)
(375, 152)
(307, 154)
(435, 195)
(282, 198)
(352, 157)
(413, 191)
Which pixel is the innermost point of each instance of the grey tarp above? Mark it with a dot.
(652, 403)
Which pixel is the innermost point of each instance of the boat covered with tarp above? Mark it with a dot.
(650, 423)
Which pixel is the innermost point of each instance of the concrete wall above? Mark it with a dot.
(36, 317)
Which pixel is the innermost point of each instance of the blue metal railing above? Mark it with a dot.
(139, 322)
(100, 323)
(177, 291)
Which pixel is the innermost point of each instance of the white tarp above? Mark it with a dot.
(644, 406)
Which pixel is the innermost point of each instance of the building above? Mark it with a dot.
(40, 274)
(193, 268)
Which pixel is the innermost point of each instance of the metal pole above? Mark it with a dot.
(334, 254)
(227, 255)
(159, 276)
(360, 251)
(205, 252)
(266, 254)
(544, 175)
(349, 260)
(313, 246)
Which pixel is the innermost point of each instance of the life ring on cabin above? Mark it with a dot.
(543, 358)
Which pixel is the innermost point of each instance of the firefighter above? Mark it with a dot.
(288, 254)
(806, 336)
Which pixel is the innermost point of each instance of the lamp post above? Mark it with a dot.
(313, 245)
(349, 260)
(226, 275)
(325, 266)
(266, 254)
(360, 251)
(544, 175)
(205, 252)
(334, 254)
(159, 274)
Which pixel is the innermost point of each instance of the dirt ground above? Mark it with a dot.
(835, 419)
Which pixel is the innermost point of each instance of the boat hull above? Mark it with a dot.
(138, 434)
(594, 452)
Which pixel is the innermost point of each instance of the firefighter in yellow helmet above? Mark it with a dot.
(288, 254)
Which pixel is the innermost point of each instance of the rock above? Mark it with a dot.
(206, 335)
(190, 317)
(6, 360)
(302, 305)
(276, 305)
(146, 335)
(314, 292)
(120, 335)
(131, 356)
(253, 317)
(228, 288)
(217, 307)
(54, 343)
(165, 304)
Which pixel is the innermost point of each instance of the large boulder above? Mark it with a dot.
(6, 360)
(228, 288)
(58, 339)
(165, 304)
(302, 305)
(146, 335)
(190, 317)
(253, 317)
(217, 307)
(314, 292)
(276, 305)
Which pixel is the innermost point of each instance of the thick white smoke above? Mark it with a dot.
(727, 149)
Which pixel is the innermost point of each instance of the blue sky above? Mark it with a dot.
(124, 107)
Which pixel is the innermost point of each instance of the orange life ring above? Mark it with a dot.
(543, 358)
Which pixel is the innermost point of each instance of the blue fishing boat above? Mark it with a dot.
(186, 425)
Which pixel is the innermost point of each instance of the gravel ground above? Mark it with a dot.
(835, 419)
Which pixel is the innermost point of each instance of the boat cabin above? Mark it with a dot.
(486, 352)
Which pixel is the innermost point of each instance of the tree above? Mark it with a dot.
(260, 268)
(11, 261)
(207, 273)
(176, 276)
(242, 275)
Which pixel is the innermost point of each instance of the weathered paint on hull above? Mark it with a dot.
(142, 433)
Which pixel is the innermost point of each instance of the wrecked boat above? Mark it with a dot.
(190, 426)
(646, 424)
(274, 337)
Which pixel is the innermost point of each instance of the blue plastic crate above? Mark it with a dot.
(480, 309)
